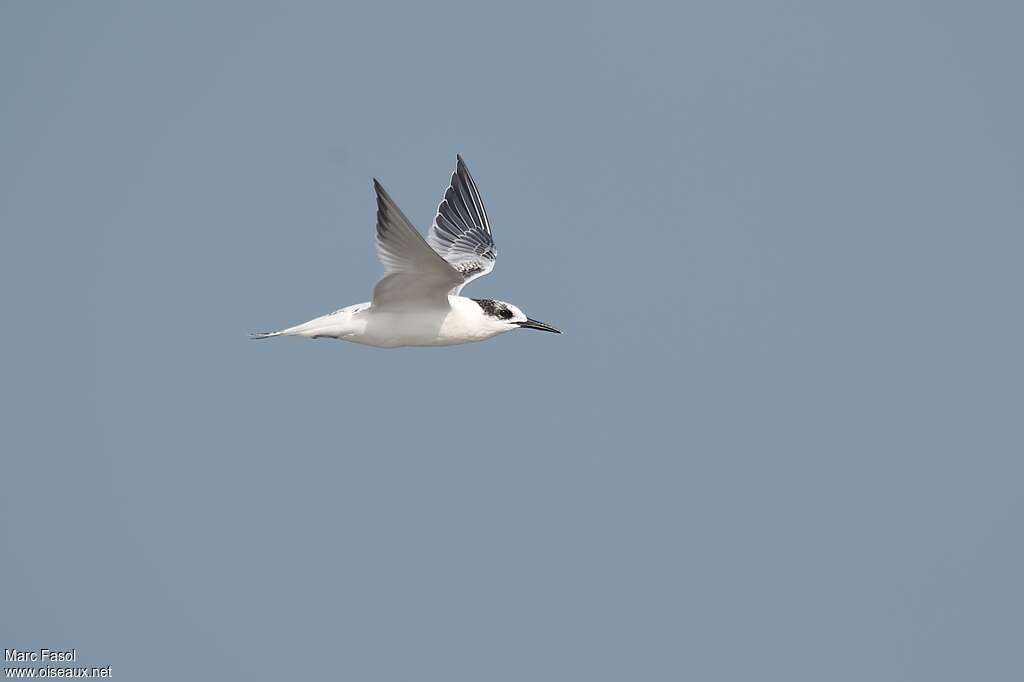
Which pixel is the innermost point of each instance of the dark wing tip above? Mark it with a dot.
(462, 171)
(383, 198)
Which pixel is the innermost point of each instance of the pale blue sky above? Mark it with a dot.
(780, 438)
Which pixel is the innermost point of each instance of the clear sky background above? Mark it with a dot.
(780, 439)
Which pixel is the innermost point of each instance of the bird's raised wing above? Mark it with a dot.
(461, 232)
(415, 276)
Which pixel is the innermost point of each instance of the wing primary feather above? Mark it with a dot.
(478, 201)
(461, 232)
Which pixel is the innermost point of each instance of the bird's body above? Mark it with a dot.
(416, 303)
(463, 321)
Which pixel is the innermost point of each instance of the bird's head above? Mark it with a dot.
(507, 317)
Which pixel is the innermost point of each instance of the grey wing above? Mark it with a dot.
(415, 275)
(461, 232)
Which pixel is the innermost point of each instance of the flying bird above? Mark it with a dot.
(417, 301)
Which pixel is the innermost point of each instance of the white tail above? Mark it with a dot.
(264, 335)
(325, 326)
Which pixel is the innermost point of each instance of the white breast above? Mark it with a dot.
(463, 322)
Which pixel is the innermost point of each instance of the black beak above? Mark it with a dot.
(534, 324)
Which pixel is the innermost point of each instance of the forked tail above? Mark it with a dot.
(325, 326)
(264, 335)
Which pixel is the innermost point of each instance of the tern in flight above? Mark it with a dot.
(417, 301)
